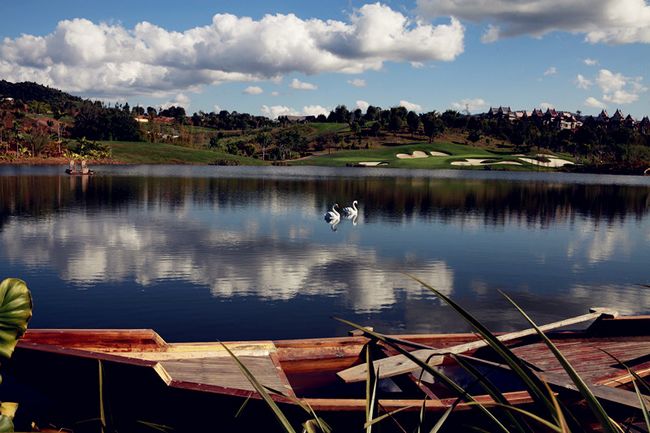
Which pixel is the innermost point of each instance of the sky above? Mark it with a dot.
(296, 57)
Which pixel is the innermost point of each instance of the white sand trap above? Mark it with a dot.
(469, 162)
(370, 163)
(474, 162)
(553, 162)
(416, 154)
(435, 153)
(504, 163)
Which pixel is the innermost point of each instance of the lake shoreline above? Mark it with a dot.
(608, 169)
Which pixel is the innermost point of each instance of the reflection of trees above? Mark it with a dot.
(389, 199)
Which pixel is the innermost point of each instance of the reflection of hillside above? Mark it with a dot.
(392, 199)
(87, 251)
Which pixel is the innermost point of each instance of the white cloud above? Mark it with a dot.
(357, 82)
(546, 105)
(476, 104)
(410, 106)
(315, 110)
(551, 70)
(301, 85)
(275, 93)
(181, 100)
(582, 82)
(253, 90)
(601, 21)
(216, 108)
(594, 103)
(109, 59)
(363, 105)
(492, 34)
(590, 62)
(275, 111)
(619, 89)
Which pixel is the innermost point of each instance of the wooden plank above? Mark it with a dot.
(622, 377)
(400, 364)
(602, 392)
(563, 381)
(224, 372)
(107, 339)
(358, 404)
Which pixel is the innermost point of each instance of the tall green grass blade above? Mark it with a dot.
(386, 415)
(593, 403)
(426, 367)
(644, 408)
(530, 415)
(438, 425)
(491, 390)
(631, 372)
(563, 424)
(421, 417)
(242, 407)
(371, 389)
(286, 425)
(533, 385)
(157, 427)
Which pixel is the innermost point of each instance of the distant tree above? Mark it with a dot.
(264, 139)
(413, 122)
(433, 125)
(216, 142)
(375, 128)
(395, 121)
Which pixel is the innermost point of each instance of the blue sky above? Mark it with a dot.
(524, 53)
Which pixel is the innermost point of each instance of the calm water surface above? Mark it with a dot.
(205, 253)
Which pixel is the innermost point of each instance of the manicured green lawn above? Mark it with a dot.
(329, 127)
(456, 152)
(160, 153)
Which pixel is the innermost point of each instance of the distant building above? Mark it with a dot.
(296, 119)
(603, 117)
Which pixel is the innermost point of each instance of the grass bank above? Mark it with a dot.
(130, 152)
(388, 156)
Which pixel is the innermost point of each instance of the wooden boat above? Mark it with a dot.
(79, 173)
(310, 370)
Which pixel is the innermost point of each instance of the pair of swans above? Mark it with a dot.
(350, 212)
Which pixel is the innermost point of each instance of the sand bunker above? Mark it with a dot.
(552, 163)
(474, 162)
(416, 154)
(435, 153)
(505, 163)
(469, 162)
(371, 163)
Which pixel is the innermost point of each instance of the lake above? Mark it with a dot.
(221, 253)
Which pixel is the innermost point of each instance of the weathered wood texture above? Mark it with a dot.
(224, 372)
(400, 364)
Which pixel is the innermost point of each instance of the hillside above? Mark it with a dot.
(40, 122)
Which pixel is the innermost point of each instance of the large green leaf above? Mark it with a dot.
(15, 312)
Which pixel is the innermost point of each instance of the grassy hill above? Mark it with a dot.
(131, 152)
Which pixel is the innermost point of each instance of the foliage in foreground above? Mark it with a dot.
(547, 413)
(15, 312)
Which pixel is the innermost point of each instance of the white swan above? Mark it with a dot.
(351, 211)
(333, 215)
